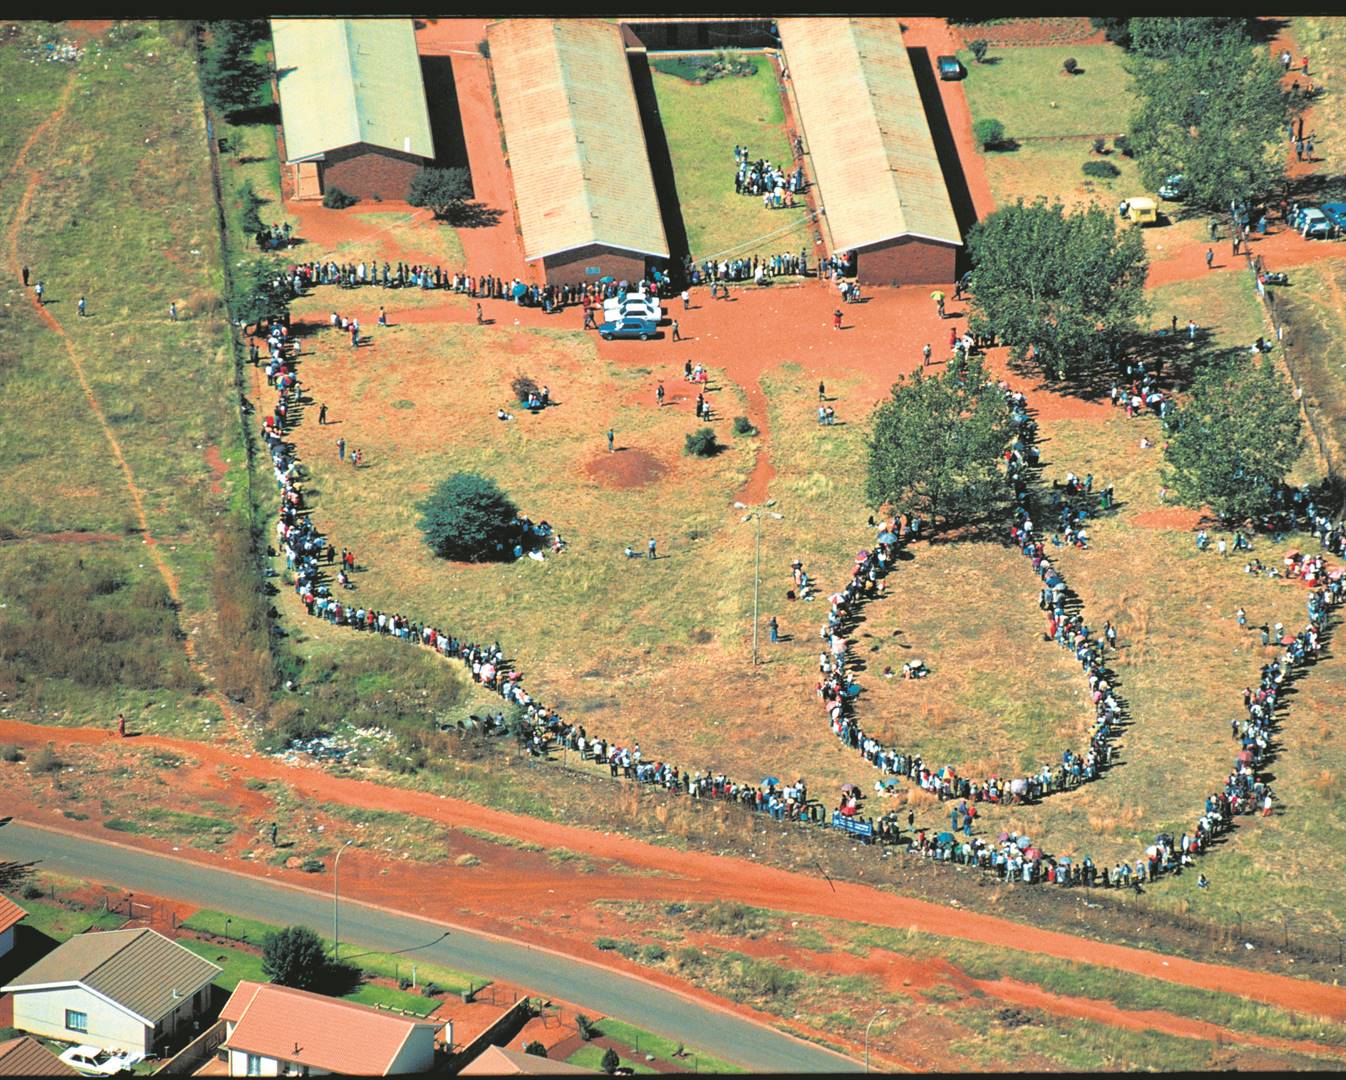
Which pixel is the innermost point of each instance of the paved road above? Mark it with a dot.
(608, 992)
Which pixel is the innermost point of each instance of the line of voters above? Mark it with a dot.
(1013, 857)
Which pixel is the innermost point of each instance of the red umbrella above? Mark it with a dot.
(1246, 755)
(1032, 853)
(1287, 640)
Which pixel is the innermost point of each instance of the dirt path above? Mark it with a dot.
(494, 248)
(705, 876)
(15, 227)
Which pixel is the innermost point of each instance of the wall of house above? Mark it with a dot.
(6, 941)
(42, 1012)
(366, 171)
(238, 1066)
(573, 267)
(417, 1054)
(907, 261)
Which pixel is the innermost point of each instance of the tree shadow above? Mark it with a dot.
(474, 215)
(256, 114)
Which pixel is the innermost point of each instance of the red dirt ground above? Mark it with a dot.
(83, 29)
(1175, 517)
(456, 893)
(1045, 31)
(629, 468)
(218, 467)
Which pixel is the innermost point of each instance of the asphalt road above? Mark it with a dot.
(610, 993)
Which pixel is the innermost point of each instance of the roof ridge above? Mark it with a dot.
(581, 158)
(853, 28)
(347, 29)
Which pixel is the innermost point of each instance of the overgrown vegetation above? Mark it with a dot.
(231, 78)
(707, 68)
(246, 670)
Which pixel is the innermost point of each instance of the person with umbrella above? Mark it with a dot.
(938, 298)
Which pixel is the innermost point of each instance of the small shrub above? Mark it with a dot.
(585, 1026)
(989, 133)
(610, 1061)
(701, 443)
(403, 982)
(978, 48)
(32, 892)
(467, 859)
(336, 199)
(743, 426)
(45, 760)
(536, 1049)
(606, 944)
(1100, 145)
(523, 385)
(1103, 170)
(1122, 144)
(312, 866)
(10, 752)
(431, 989)
(253, 783)
(653, 954)
(1070, 65)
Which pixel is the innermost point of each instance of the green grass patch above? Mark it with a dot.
(662, 1048)
(389, 997)
(161, 822)
(236, 964)
(61, 923)
(591, 1057)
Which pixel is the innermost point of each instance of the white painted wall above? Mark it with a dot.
(417, 1054)
(42, 1012)
(238, 1066)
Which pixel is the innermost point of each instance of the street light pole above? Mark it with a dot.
(867, 1027)
(336, 901)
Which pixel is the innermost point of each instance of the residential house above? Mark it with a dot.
(10, 916)
(497, 1061)
(25, 1056)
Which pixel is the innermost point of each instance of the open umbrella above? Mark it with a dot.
(1024, 842)
(1003, 837)
(769, 781)
(862, 554)
(519, 288)
(944, 838)
(1287, 640)
(886, 537)
(891, 782)
(1245, 755)
(1065, 860)
(936, 295)
(608, 280)
(1032, 853)
(848, 788)
(836, 598)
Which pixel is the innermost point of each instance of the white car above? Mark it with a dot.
(635, 306)
(95, 1061)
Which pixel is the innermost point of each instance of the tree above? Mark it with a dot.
(1070, 65)
(978, 49)
(1116, 28)
(610, 1061)
(536, 1049)
(258, 291)
(701, 443)
(936, 444)
(1168, 36)
(294, 957)
(989, 133)
(1215, 113)
(15, 875)
(1235, 439)
(230, 77)
(467, 517)
(1070, 286)
(442, 190)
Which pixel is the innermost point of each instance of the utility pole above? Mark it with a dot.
(336, 901)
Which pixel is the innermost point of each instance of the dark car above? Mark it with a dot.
(628, 328)
(949, 67)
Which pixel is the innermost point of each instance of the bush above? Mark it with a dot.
(606, 944)
(978, 48)
(312, 866)
(1100, 145)
(1122, 145)
(1070, 65)
(10, 752)
(701, 443)
(610, 1061)
(336, 199)
(467, 517)
(431, 989)
(45, 760)
(535, 1048)
(403, 983)
(250, 222)
(294, 957)
(585, 1026)
(653, 954)
(743, 426)
(1103, 170)
(523, 385)
(989, 133)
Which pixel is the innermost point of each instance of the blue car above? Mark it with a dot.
(628, 328)
(1335, 212)
(949, 68)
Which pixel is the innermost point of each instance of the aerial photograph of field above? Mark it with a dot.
(672, 544)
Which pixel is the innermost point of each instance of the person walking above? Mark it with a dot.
(939, 304)
(1238, 241)
(610, 436)
(836, 319)
(1299, 149)
(322, 414)
(341, 448)
(686, 299)
(925, 355)
(172, 310)
(677, 336)
(659, 393)
(40, 289)
(773, 628)
(25, 277)
(273, 834)
(649, 550)
(1210, 258)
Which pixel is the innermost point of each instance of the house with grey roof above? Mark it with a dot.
(119, 990)
(352, 105)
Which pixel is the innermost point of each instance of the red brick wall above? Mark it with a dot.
(907, 261)
(568, 267)
(367, 171)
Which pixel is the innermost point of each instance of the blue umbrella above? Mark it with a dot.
(607, 280)
(944, 838)
(520, 288)
(886, 537)
(769, 781)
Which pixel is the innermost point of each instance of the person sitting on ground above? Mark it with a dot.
(500, 414)
(915, 669)
(630, 552)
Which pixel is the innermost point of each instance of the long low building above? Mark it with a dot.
(874, 160)
(582, 179)
(352, 105)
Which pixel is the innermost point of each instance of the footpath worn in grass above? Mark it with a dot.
(703, 124)
(121, 212)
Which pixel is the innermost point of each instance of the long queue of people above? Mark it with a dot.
(1013, 857)
(760, 269)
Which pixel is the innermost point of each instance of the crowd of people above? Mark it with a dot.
(776, 185)
(759, 269)
(1012, 857)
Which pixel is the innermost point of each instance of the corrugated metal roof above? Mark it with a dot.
(320, 1032)
(138, 969)
(868, 135)
(348, 81)
(576, 146)
(10, 913)
(25, 1056)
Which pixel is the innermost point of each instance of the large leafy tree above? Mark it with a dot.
(295, 957)
(936, 444)
(443, 190)
(230, 78)
(467, 517)
(1235, 439)
(1165, 36)
(258, 290)
(1068, 286)
(1215, 112)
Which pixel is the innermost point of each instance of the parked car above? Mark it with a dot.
(1174, 187)
(628, 328)
(95, 1061)
(635, 306)
(949, 68)
(1336, 213)
(1313, 224)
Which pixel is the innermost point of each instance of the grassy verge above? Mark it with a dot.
(61, 923)
(591, 1057)
(647, 1042)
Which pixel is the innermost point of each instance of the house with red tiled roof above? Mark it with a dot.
(25, 1056)
(279, 1031)
(10, 916)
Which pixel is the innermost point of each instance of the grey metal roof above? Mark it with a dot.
(138, 969)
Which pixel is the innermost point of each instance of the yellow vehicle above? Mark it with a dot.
(1139, 211)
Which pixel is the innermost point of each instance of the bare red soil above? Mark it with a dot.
(218, 467)
(629, 468)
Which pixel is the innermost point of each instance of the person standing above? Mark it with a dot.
(1191, 330)
(822, 391)
(81, 306)
(172, 310)
(649, 550)
(686, 299)
(659, 394)
(610, 437)
(1210, 258)
(677, 336)
(383, 316)
(925, 355)
(687, 371)
(40, 290)
(121, 725)
(1238, 240)
(25, 277)
(836, 319)
(773, 628)
(273, 834)
(939, 305)
(341, 448)
(322, 414)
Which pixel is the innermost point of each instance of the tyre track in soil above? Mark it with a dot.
(166, 572)
(703, 875)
